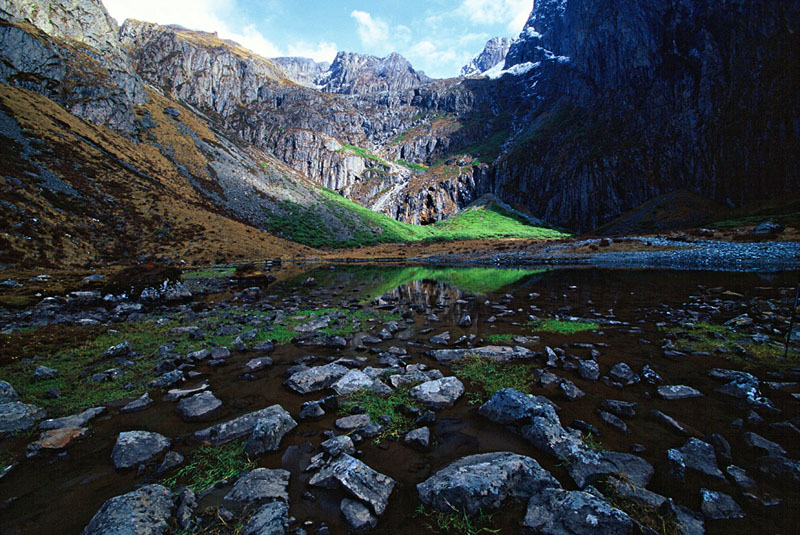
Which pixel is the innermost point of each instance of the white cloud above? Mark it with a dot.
(512, 13)
(211, 16)
(322, 51)
(373, 32)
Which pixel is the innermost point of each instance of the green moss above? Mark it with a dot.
(364, 153)
(503, 339)
(210, 273)
(563, 327)
(413, 166)
(488, 376)
(209, 465)
(456, 522)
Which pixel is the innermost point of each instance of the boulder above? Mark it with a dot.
(442, 339)
(419, 438)
(198, 407)
(77, 420)
(145, 511)
(270, 519)
(238, 427)
(439, 393)
(570, 391)
(269, 430)
(355, 380)
(675, 392)
(509, 406)
(316, 378)
(623, 374)
(353, 422)
(254, 365)
(340, 444)
(555, 511)
(548, 435)
(357, 515)
(359, 479)
(589, 370)
(701, 457)
(719, 506)
(484, 482)
(137, 447)
(167, 380)
(756, 441)
(498, 353)
(43, 373)
(259, 486)
(16, 416)
(623, 409)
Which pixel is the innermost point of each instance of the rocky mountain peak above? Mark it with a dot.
(352, 74)
(303, 71)
(492, 54)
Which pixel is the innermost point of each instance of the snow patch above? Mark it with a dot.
(515, 70)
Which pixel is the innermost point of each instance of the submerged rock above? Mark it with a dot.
(498, 353)
(484, 482)
(145, 511)
(137, 447)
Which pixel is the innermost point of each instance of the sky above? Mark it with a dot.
(437, 36)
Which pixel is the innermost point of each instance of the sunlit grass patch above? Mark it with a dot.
(563, 326)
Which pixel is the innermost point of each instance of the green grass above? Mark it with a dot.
(359, 226)
(377, 406)
(755, 220)
(503, 339)
(563, 327)
(413, 166)
(364, 153)
(487, 377)
(210, 273)
(456, 522)
(592, 442)
(707, 337)
(209, 465)
(489, 150)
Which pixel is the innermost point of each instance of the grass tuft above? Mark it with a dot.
(456, 522)
(563, 327)
(209, 465)
(378, 406)
(487, 377)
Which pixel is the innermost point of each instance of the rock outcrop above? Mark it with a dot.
(492, 54)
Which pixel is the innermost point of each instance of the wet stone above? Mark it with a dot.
(168, 379)
(7, 393)
(439, 393)
(316, 378)
(570, 391)
(351, 423)
(257, 364)
(260, 485)
(138, 404)
(509, 406)
(669, 422)
(59, 438)
(172, 459)
(270, 519)
(613, 421)
(238, 427)
(589, 370)
(623, 409)
(340, 444)
(357, 515)
(719, 506)
(418, 438)
(137, 447)
(623, 374)
(675, 392)
(700, 456)
(357, 478)
(484, 482)
(497, 353)
(758, 442)
(17, 416)
(592, 465)
(442, 339)
(179, 393)
(199, 407)
(145, 511)
(556, 511)
(77, 420)
(269, 430)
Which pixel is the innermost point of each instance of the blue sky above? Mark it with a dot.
(437, 36)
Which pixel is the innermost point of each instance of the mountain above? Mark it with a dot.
(168, 135)
(493, 53)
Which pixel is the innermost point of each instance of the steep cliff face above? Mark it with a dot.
(492, 54)
(303, 71)
(69, 50)
(631, 100)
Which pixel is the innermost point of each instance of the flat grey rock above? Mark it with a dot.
(756, 441)
(592, 465)
(260, 485)
(199, 407)
(138, 404)
(355, 380)
(701, 457)
(484, 482)
(254, 365)
(353, 422)
(145, 511)
(498, 353)
(419, 438)
(340, 444)
(675, 392)
(555, 511)
(77, 420)
(316, 378)
(237, 428)
(442, 392)
(137, 447)
(719, 506)
(359, 479)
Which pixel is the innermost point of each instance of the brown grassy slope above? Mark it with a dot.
(134, 204)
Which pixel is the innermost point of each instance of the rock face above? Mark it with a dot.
(353, 74)
(303, 71)
(145, 511)
(555, 511)
(137, 447)
(493, 53)
(484, 481)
